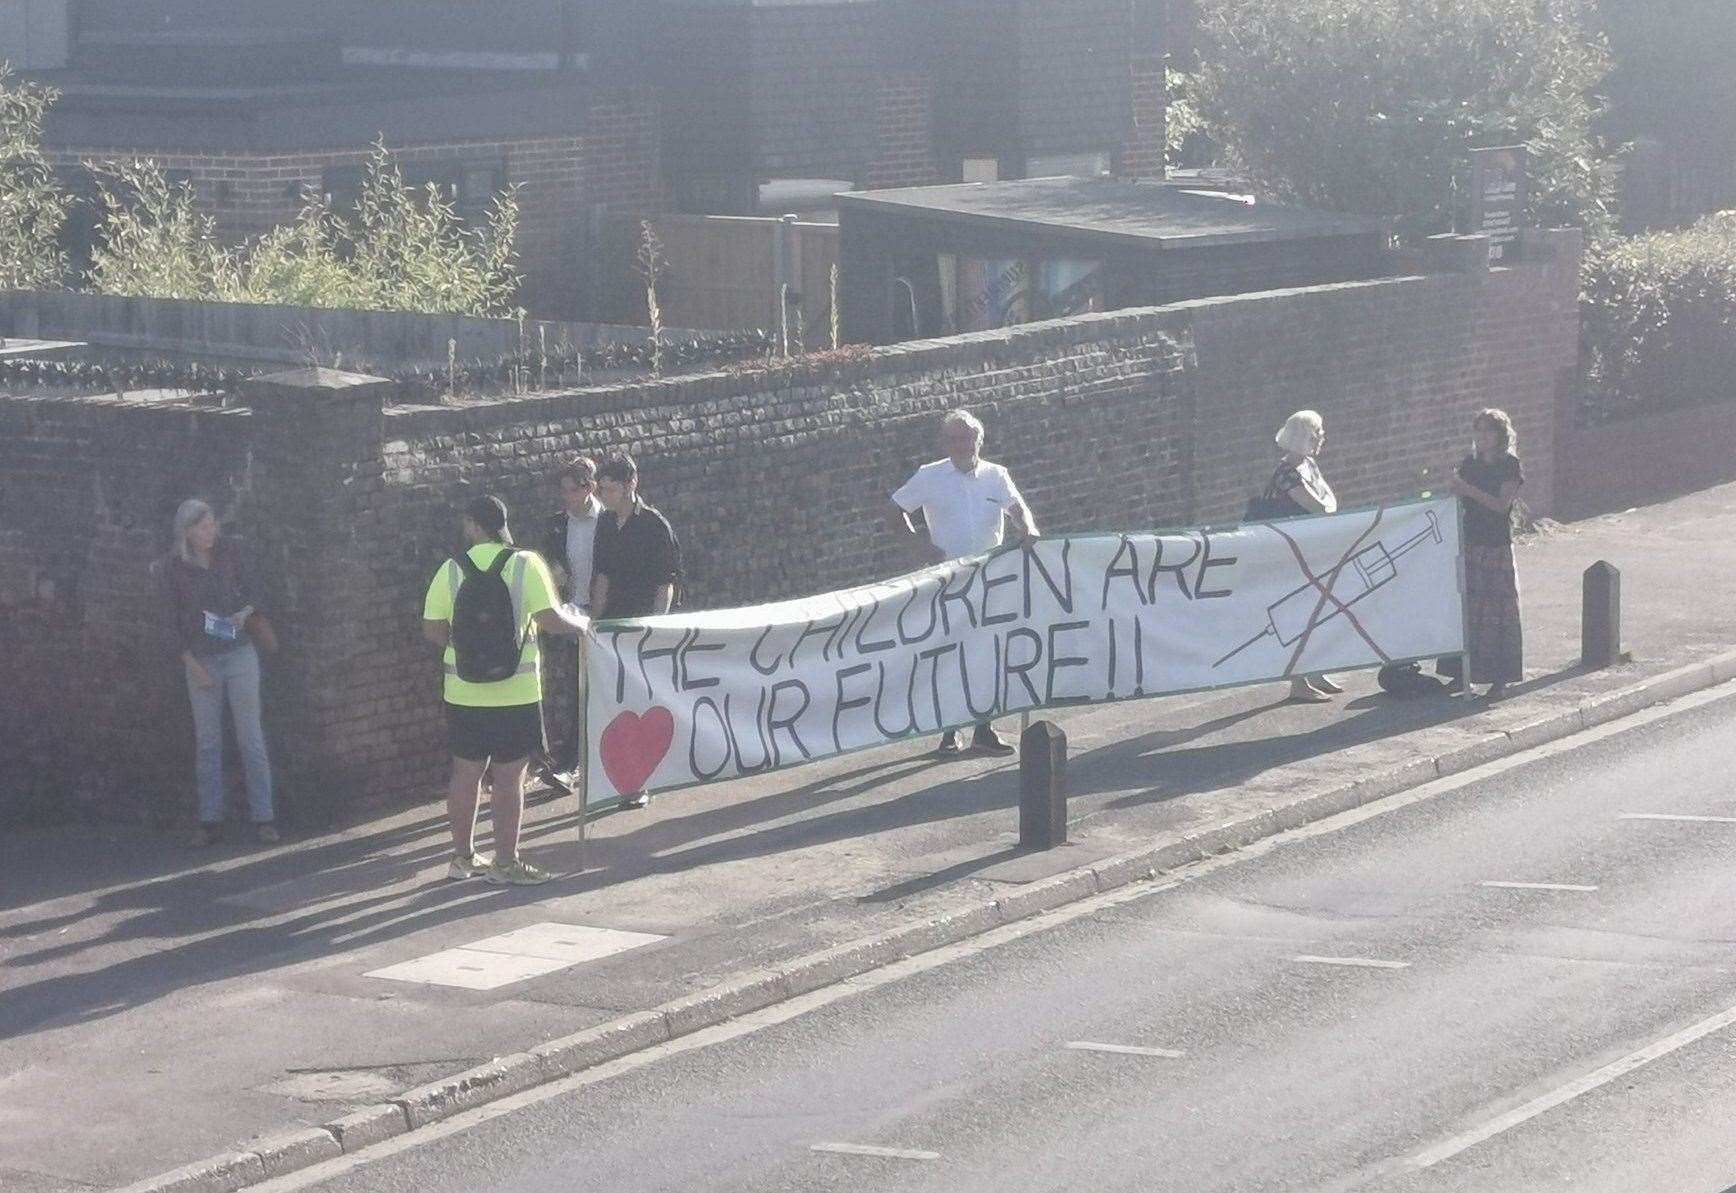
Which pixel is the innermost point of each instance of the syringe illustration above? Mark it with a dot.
(1373, 567)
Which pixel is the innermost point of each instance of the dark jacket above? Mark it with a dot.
(194, 591)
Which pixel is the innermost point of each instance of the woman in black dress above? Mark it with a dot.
(1489, 480)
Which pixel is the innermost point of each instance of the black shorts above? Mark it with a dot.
(505, 734)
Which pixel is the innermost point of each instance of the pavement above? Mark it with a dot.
(192, 1005)
(1346, 1007)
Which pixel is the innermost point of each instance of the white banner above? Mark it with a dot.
(697, 697)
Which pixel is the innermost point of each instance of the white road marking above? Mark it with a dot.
(1671, 816)
(1363, 962)
(890, 1153)
(897, 971)
(1519, 1114)
(1539, 886)
(1122, 1049)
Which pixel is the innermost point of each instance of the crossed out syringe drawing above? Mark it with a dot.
(1298, 611)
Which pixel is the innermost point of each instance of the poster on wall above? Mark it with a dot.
(700, 697)
(1064, 287)
(992, 292)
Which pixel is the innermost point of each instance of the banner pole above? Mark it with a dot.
(1464, 603)
(584, 735)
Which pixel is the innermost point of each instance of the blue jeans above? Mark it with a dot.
(237, 676)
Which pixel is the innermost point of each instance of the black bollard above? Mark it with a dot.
(1600, 629)
(1042, 786)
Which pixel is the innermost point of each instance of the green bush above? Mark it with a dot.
(1370, 106)
(1658, 320)
(32, 204)
(403, 249)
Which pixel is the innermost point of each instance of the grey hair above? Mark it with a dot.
(188, 514)
(1298, 432)
(963, 418)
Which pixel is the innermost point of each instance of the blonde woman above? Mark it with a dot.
(215, 628)
(1297, 488)
(1489, 481)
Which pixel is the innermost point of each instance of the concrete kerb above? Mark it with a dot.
(757, 989)
(368, 1125)
(499, 1077)
(605, 1042)
(216, 1174)
(297, 1149)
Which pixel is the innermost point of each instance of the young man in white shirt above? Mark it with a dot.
(568, 540)
(965, 502)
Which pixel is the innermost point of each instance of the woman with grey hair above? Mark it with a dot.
(1297, 488)
(217, 628)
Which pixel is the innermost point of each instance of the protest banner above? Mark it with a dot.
(699, 697)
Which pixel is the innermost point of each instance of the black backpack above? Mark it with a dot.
(485, 638)
(1407, 679)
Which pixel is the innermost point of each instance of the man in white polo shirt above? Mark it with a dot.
(567, 542)
(965, 502)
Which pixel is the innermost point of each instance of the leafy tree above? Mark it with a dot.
(32, 204)
(1370, 105)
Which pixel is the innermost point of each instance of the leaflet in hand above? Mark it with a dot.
(227, 627)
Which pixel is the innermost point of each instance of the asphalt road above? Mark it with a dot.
(1486, 1039)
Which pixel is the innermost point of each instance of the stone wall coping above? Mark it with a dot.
(881, 366)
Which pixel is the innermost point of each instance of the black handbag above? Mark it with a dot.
(1272, 503)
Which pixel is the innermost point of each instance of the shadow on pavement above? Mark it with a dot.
(230, 920)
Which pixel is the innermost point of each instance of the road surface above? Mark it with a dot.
(1528, 982)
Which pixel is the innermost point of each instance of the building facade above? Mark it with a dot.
(599, 111)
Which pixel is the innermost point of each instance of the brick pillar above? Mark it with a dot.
(903, 151)
(1142, 152)
(1147, 129)
(318, 477)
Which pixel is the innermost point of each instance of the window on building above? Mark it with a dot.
(481, 184)
(447, 179)
(1079, 165)
(343, 188)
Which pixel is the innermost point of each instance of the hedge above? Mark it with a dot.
(1658, 320)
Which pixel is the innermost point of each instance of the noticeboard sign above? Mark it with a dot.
(1500, 191)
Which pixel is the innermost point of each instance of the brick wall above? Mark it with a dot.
(96, 715)
(1072, 74)
(777, 484)
(1639, 461)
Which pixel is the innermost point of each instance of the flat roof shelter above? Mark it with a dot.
(935, 260)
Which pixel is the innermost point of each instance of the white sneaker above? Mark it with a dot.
(517, 874)
(472, 866)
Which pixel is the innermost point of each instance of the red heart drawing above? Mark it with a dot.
(633, 745)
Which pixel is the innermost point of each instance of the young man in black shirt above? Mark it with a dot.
(636, 562)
